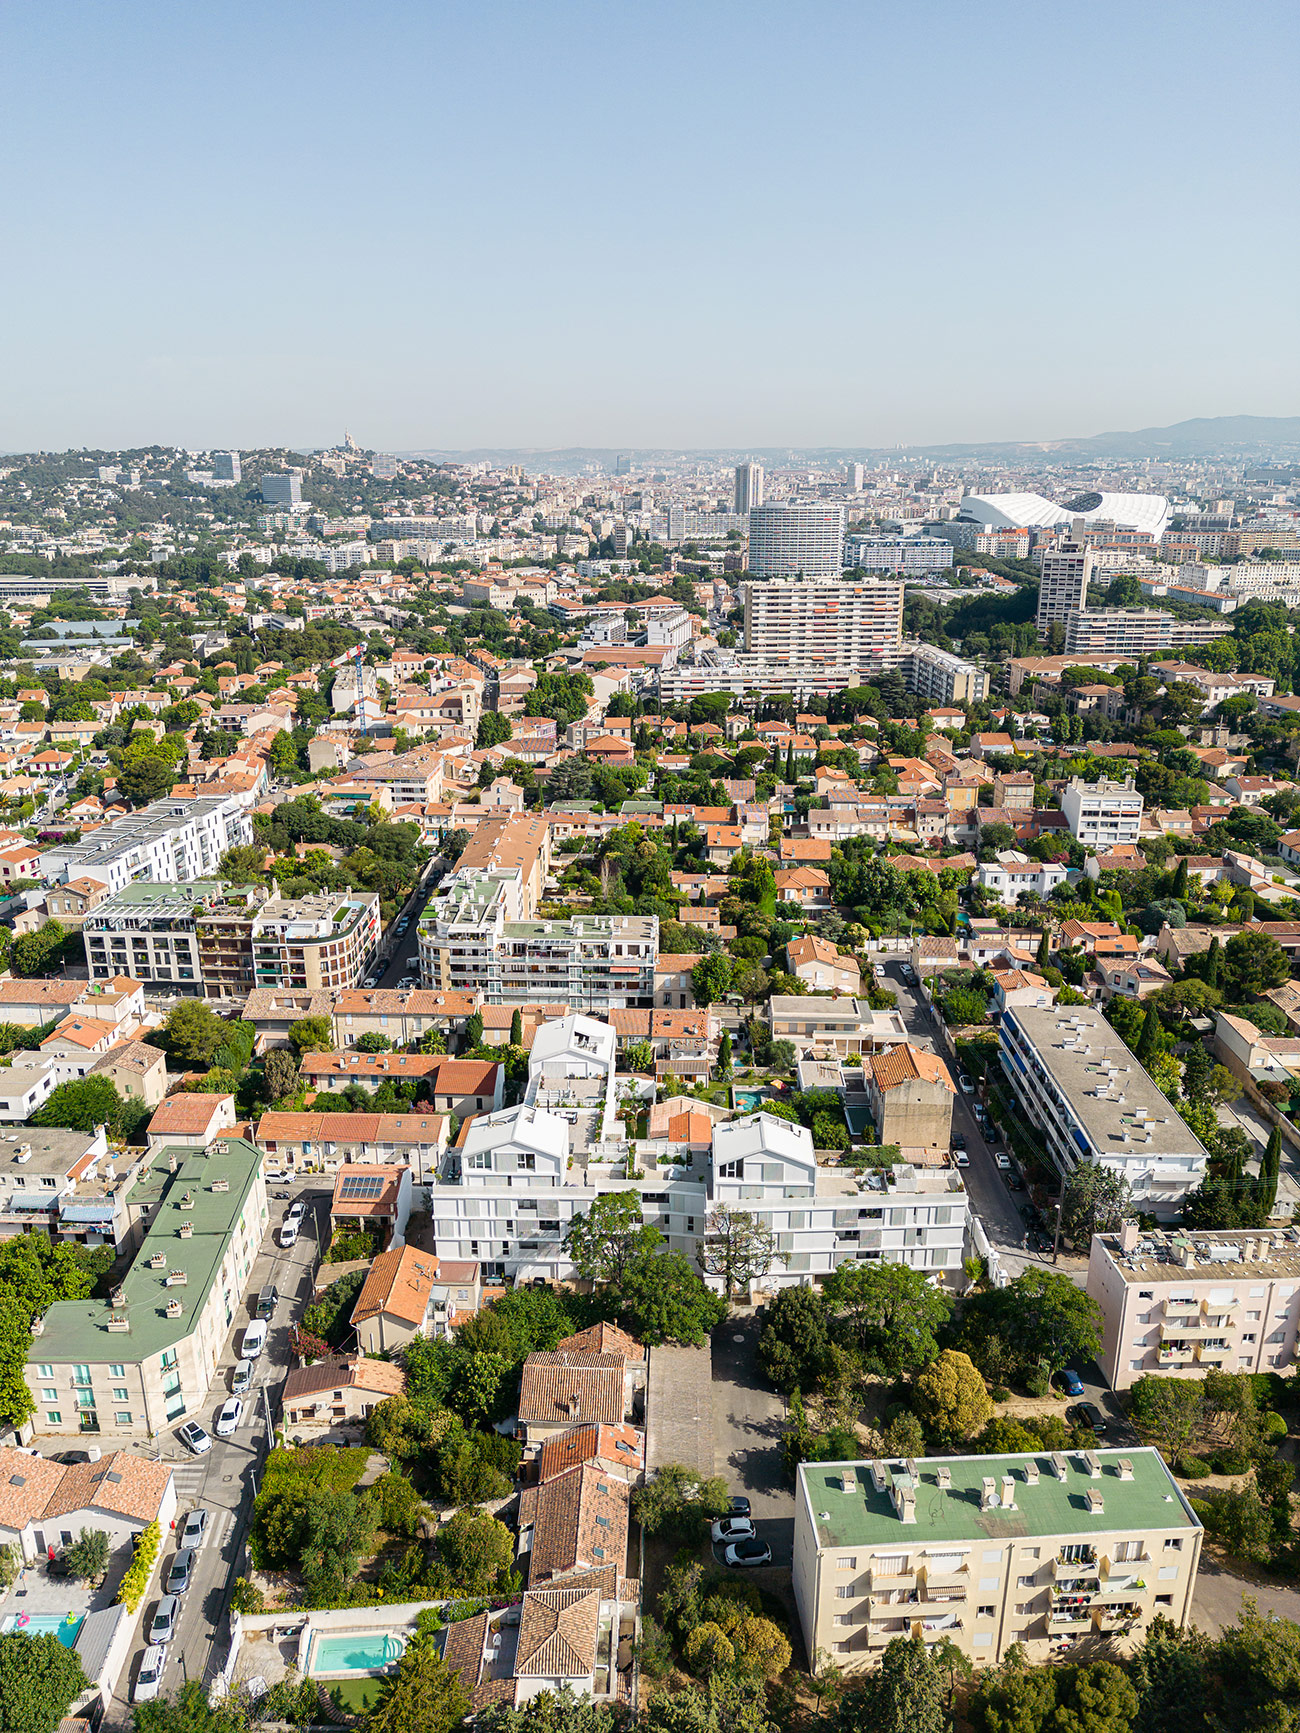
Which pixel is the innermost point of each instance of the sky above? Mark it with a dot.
(714, 224)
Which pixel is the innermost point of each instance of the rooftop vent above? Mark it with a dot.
(1096, 1503)
(1031, 1474)
(1092, 1463)
(1008, 1492)
(1125, 1468)
(988, 1494)
(943, 1477)
(1058, 1465)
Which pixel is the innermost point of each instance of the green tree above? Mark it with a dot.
(146, 779)
(423, 1696)
(724, 1055)
(1094, 1698)
(905, 1694)
(549, 1712)
(950, 1397)
(35, 953)
(83, 1105)
(662, 1299)
(245, 864)
(737, 1248)
(188, 1712)
(372, 1043)
(677, 1501)
(712, 979)
(794, 1344)
(1269, 1172)
(494, 729)
(722, 1703)
(1097, 1199)
(192, 1033)
(87, 1557)
(39, 1680)
(475, 1552)
(279, 1073)
(1151, 1042)
(1167, 1412)
(1252, 963)
(890, 1312)
(312, 1035)
(603, 1241)
(516, 1028)
(1015, 1697)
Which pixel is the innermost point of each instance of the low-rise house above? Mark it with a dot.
(322, 1142)
(1135, 979)
(822, 966)
(190, 1121)
(575, 1521)
(44, 1505)
(910, 1093)
(619, 1450)
(561, 1391)
(411, 1293)
(807, 886)
(340, 1391)
(1013, 875)
(818, 1025)
(1020, 987)
(376, 1199)
(459, 1086)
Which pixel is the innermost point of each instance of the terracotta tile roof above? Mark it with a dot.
(571, 1389)
(617, 1445)
(353, 1372)
(690, 1128)
(603, 1339)
(122, 1483)
(906, 1064)
(364, 1199)
(463, 1649)
(27, 1484)
(557, 1634)
(580, 1519)
(399, 1284)
(186, 1115)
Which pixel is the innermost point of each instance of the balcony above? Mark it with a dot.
(1084, 1565)
(1070, 1619)
(884, 1584)
(1192, 1326)
(1213, 1353)
(935, 1630)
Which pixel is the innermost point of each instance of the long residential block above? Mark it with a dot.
(1044, 1550)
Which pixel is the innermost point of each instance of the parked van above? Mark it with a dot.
(288, 1235)
(254, 1340)
(268, 1300)
(149, 1678)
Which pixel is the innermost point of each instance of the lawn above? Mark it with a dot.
(358, 1696)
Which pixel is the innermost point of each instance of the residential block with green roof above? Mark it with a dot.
(134, 1365)
(987, 1551)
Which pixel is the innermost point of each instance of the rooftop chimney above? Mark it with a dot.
(1096, 1503)
(905, 1503)
(1008, 1492)
(1092, 1462)
(988, 1497)
(944, 1476)
(1031, 1474)
(1128, 1237)
(1058, 1465)
(878, 1480)
(1125, 1468)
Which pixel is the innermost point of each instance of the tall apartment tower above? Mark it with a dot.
(788, 541)
(828, 621)
(282, 489)
(854, 477)
(225, 466)
(1063, 586)
(749, 486)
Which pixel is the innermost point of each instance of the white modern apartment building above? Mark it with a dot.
(787, 541)
(1086, 1093)
(897, 553)
(1178, 1303)
(940, 677)
(1135, 632)
(855, 625)
(1063, 583)
(1101, 814)
(1045, 1550)
(761, 676)
(167, 842)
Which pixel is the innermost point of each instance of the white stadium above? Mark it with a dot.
(1129, 511)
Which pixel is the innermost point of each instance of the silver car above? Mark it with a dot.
(163, 1628)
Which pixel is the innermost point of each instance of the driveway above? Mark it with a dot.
(1217, 1601)
(748, 1421)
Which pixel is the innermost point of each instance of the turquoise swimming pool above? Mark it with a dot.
(354, 1652)
(64, 1626)
(746, 1100)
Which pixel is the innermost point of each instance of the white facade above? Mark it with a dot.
(796, 540)
(1101, 814)
(854, 625)
(1013, 874)
(168, 842)
(1134, 631)
(749, 486)
(898, 553)
(1063, 583)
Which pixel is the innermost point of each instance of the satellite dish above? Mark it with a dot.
(994, 1501)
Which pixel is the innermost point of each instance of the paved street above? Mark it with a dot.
(748, 1420)
(224, 1480)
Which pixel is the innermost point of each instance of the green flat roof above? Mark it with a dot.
(865, 1517)
(77, 1330)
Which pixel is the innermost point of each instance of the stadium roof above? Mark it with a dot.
(1137, 511)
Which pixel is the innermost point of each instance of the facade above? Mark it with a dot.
(149, 931)
(851, 625)
(940, 677)
(282, 489)
(787, 541)
(1063, 584)
(1043, 1550)
(1180, 1303)
(828, 1027)
(134, 1365)
(1091, 632)
(326, 940)
(1084, 1090)
(325, 1142)
(749, 486)
(910, 1093)
(410, 1293)
(1103, 813)
(897, 553)
(340, 1391)
(168, 842)
(1013, 874)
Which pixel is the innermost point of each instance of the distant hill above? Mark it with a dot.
(1231, 436)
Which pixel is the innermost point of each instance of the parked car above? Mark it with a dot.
(748, 1552)
(230, 1416)
(194, 1438)
(288, 1235)
(960, 1158)
(1003, 1160)
(163, 1628)
(1014, 1181)
(1070, 1382)
(295, 1212)
(149, 1678)
(878, 971)
(908, 973)
(1043, 1242)
(254, 1339)
(739, 1507)
(959, 1140)
(732, 1528)
(964, 1084)
(178, 1577)
(1087, 1414)
(192, 1534)
(241, 1378)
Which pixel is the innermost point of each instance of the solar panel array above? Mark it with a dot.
(358, 1187)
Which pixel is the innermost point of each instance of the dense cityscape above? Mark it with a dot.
(661, 998)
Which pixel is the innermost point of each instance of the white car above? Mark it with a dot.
(1003, 1162)
(729, 1529)
(960, 1158)
(288, 1235)
(879, 971)
(230, 1416)
(254, 1339)
(149, 1678)
(967, 1087)
(295, 1212)
(242, 1377)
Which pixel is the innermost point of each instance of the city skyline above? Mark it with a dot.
(564, 225)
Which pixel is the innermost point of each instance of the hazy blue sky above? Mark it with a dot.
(616, 224)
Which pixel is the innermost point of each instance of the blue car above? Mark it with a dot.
(1069, 1382)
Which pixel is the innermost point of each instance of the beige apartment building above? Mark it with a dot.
(1044, 1550)
(1183, 1301)
(824, 1026)
(810, 620)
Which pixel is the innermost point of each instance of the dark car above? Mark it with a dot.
(739, 1507)
(1086, 1414)
(1070, 1382)
(178, 1577)
(1043, 1242)
(958, 1140)
(1014, 1181)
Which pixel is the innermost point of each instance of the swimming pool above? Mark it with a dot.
(64, 1626)
(354, 1652)
(746, 1100)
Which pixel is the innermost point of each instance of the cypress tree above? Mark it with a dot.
(1212, 964)
(1148, 1046)
(1269, 1168)
(1180, 879)
(516, 1029)
(789, 762)
(1044, 950)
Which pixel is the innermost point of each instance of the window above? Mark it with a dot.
(987, 1612)
(842, 1648)
(1146, 1294)
(54, 1418)
(50, 1395)
(81, 1374)
(45, 1371)
(1128, 1549)
(122, 1419)
(1164, 1600)
(1024, 1608)
(117, 1371)
(842, 1619)
(1032, 1552)
(122, 1395)
(1025, 1582)
(1173, 1546)
(851, 1563)
(845, 1592)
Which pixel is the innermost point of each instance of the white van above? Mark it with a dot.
(149, 1678)
(288, 1235)
(254, 1339)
